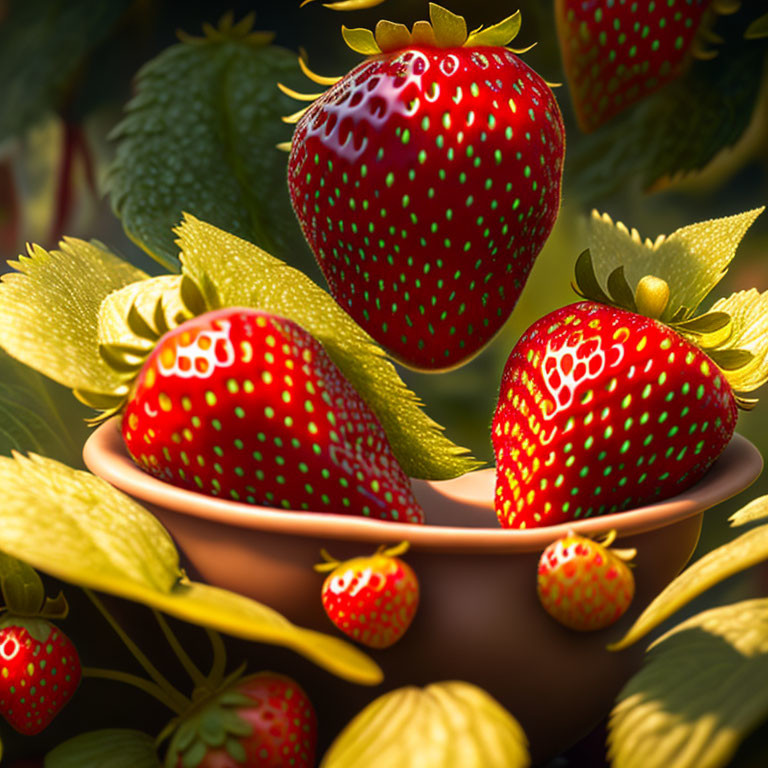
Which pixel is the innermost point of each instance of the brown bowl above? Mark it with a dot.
(479, 618)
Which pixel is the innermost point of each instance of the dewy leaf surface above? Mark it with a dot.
(50, 307)
(692, 260)
(441, 726)
(200, 136)
(41, 46)
(111, 747)
(78, 528)
(747, 550)
(704, 686)
(245, 275)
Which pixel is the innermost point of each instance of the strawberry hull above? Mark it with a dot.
(426, 182)
(602, 410)
(247, 406)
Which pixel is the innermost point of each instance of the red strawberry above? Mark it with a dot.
(246, 405)
(426, 181)
(617, 52)
(372, 599)
(583, 584)
(601, 410)
(39, 672)
(260, 721)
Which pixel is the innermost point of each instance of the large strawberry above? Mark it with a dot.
(603, 407)
(246, 405)
(374, 598)
(39, 672)
(617, 52)
(260, 721)
(426, 181)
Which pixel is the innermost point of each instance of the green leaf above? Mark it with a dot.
(620, 291)
(248, 276)
(704, 325)
(42, 44)
(731, 359)
(450, 28)
(586, 281)
(78, 528)
(758, 28)
(680, 129)
(50, 308)
(749, 312)
(757, 509)
(112, 748)
(501, 34)
(200, 136)
(743, 552)
(22, 587)
(704, 687)
(361, 41)
(444, 724)
(692, 260)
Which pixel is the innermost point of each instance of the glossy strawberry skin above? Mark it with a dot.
(372, 599)
(426, 182)
(38, 674)
(282, 722)
(582, 584)
(602, 410)
(247, 406)
(617, 53)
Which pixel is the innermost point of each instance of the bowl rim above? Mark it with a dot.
(105, 455)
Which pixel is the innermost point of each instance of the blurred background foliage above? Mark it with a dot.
(697, 149)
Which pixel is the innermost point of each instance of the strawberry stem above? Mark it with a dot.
(216, 675)
(170, 691)
(198, 678)
(177, 704)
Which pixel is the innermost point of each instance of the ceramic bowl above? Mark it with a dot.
(479, 618)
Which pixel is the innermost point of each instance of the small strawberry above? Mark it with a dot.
(246, 405)
(617, 52)
(259, 721)
(604, 408)
(373, 599)
(39, 672)
(426, 182)
(583, 584)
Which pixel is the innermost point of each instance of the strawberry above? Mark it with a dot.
(583, 584)
(246, 405)
(426, 182)
(617, 52)
(372, 599)
(39, 672)
(259, 721)
(603, 408)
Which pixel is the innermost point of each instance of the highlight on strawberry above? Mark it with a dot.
(426, 181)
(615, 54)
(373, 598)
(247, 406)
(628, 397)
(583, 583)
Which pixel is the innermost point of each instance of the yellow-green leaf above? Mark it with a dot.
(757, 509)
(747, 550)
(444, 724)
(78, 528)
(236, 615)
(758, 28)
(245, 275)
(348, 5)
(692, 259)
(450, 28)
(50, 306)
(112, 747)
(390, 36)
(749, 313)
(704, 687)
(501, 34)
(361, 41)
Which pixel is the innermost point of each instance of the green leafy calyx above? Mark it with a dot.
(667, 279)
(444, 30)
(228, 29)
